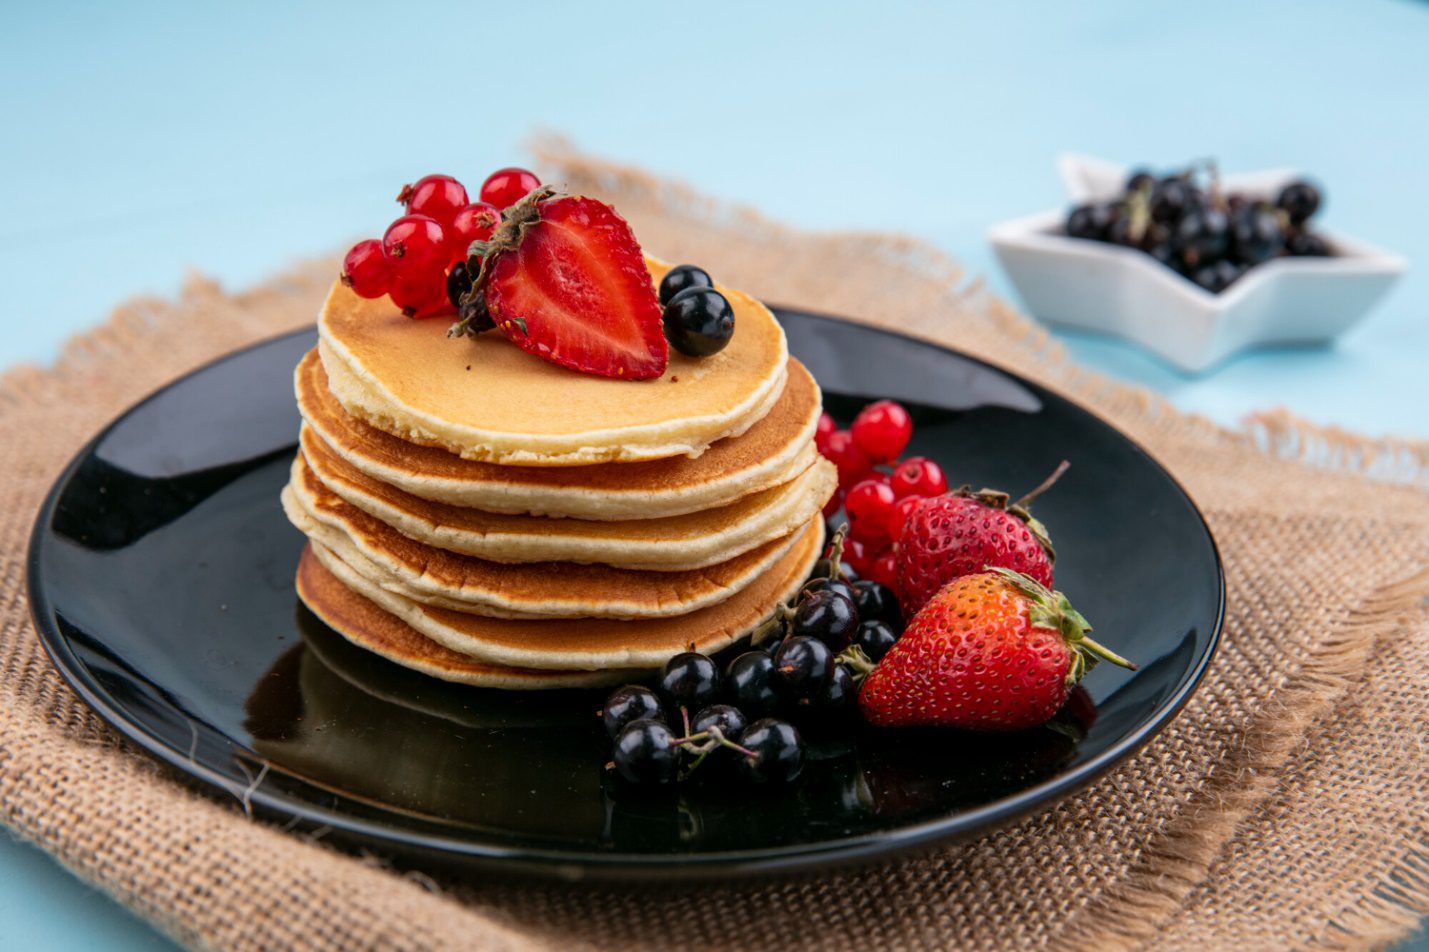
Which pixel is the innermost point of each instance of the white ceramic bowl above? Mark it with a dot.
(1115, 290)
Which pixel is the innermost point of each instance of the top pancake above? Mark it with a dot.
(487, 400)
(771, 452)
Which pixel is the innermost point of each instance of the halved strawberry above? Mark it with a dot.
(565, 280)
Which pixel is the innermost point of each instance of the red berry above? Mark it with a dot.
(868, 506)
(365, 270)
(852, 464)
(505, 187)
(437, 196)
(898, 518)
(882, 430)
(422, 296)
(415, 246)
(474, 222)
(835, 503)
(825, 429)
(884, 570)
(918, 476)
(856, 556)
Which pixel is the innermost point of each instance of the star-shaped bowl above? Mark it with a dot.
(1114, 290)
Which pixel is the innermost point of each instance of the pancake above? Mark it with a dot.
(595, 644)
(678, 543)
(771, 452)
(487, 400)
(536, 589)
(366, 625)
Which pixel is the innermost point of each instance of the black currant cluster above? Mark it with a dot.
(803, 668)
(698, 320)
(1207, 236)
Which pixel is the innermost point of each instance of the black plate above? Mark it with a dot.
(161, 581)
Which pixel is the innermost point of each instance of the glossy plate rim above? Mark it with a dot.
(449, 851)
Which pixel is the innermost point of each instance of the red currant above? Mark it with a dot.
(898, 517)
(824, 430)
(422, 296)
(918, 476)
(505, 187)
(834, 504)
(856, 556)
(437, 196)
(366, 271)
(474, 222)
(415, 246)
(882, 430)
(868, 506)
(883, 569)
(853, 465)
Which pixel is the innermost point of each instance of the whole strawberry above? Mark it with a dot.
(963, 532)
(564, 279)
(995, 651)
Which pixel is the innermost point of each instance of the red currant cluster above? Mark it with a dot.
(420, 262)
(877, 490)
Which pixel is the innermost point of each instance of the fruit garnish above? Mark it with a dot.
(963, 533)
(474, 222)
(991, 651)
(436, 196)
(505, 187)
(698, 322)
(682, 277)
(564, 279)
(415, 247)
(918, 476)
(365, 269)
(882, 429)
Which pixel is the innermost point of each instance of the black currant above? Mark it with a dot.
(777, 748)
(828, 616)
(630, 703)
(875, 638)
(802, 666)
(458, 283)
(1203, 235)
(729, 720)
(1091, 221)
(840, 695)
(699, 322)
(1218, 276)
(645, 752)
(474, 314)
(1170, 199)
(876, 602)
(682, 277)
(836, 585)
(1306, 244)
(1299, 200)
(1256, 236)
(690, 680)
(824, 568)
(749, 683)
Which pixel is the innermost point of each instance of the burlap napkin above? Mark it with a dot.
(1284, 808)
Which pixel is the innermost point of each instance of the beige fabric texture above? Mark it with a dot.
(1284, 807)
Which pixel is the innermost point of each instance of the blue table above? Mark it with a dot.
(143, 140)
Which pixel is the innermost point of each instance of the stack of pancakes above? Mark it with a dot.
(486, 517)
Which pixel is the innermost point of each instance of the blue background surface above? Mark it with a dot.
(143, 140)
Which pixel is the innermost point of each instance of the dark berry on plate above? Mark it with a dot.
(1139, 179)
(505, 187)
(1307, 244)
(681, 278)
(839, 694)
(749, 683)
(1170, 199)
(728, 719)
(802, 665)
(630, 703)
(1256, 236)
(828, 616)
(1120, 233)
(1218, 276)
(366, 271)
(475, 318)
(875, 638)
(1203, 235)
(1091, 221)
(699, 322)
(823, 569)
(836, 585)
(690, 680)
(777, 748)
(458, 283)
(645, 752)
(415, 247)
(437, 196)
(876, 602)
(1299, 200)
